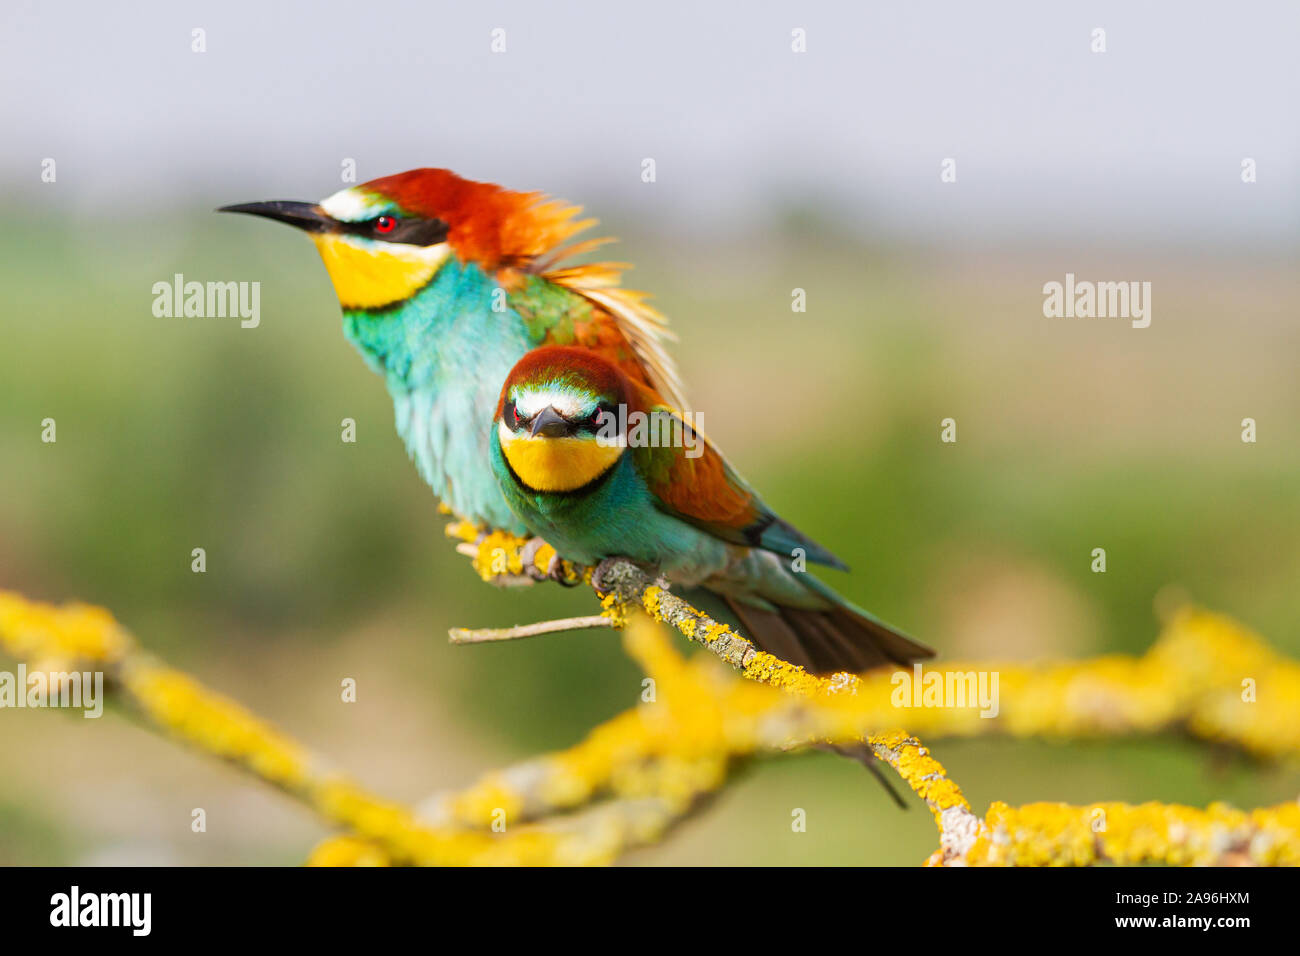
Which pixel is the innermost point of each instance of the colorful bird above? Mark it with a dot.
(600, 465)
(445, 284)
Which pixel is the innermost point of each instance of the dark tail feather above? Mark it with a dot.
(824, 642)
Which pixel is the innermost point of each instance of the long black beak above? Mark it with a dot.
(550, 424)
(302, 215)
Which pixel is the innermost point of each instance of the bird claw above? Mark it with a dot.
(557, 569)
(602, 572)
(560, 574)
(528, 557)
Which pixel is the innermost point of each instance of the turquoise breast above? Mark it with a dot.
(444, 354)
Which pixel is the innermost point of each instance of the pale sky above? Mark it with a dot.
(1049, 138)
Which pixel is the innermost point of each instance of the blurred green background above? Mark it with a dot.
(327, 560)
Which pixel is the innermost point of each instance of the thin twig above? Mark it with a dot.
(485, 635)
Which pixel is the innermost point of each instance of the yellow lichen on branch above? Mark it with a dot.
(79, 636)
(1206, 674)
(1055, 834)
(633, 777)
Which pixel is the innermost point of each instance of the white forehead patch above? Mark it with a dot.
(353, 205)
(529, 402)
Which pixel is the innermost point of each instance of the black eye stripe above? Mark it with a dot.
(598, 419)
(414, 232)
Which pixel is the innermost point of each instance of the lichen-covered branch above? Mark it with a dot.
(632, 778)
(1056, 834)
(507, 560)
(78, 636)
(1206, 674)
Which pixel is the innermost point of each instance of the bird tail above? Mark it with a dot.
(840, 638)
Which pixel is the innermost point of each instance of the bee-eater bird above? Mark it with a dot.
(445, 283)
(595, 487)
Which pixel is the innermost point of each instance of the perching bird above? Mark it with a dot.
(601, 466)
(445, 283)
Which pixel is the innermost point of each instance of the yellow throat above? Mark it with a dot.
(556, 464)
(370, 275)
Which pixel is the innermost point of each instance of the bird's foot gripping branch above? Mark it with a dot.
(622, 586)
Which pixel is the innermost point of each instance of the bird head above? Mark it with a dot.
(558, 419)
(384, 240)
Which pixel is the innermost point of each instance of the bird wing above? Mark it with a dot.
(643, 326)
(691, 480)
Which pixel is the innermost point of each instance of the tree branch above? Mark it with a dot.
(636, 775)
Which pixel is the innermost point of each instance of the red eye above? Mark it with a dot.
(385, 224)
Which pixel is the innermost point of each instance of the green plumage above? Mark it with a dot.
(652, 505)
